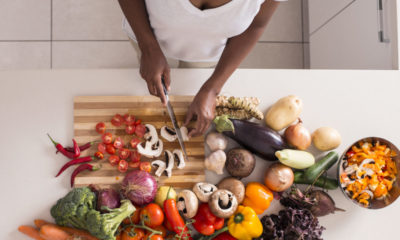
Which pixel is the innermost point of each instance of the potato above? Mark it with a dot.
(326, 138)
(284, 112)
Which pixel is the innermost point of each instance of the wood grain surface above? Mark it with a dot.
(89, 110)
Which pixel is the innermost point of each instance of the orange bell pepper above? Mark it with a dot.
(258, 197)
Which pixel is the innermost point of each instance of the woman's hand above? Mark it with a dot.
(154, 66)
(203, 109)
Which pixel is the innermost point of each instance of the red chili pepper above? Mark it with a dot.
(224, 236)
(61, 149)
(81, 148)
(77, 151)
(81, 168)
(74, 162)
(174, 218)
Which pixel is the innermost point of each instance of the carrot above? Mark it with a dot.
(30, 231)
(40, 222)
(79, 233)
(53, 232)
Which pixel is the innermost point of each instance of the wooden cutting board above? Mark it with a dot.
(89, 110)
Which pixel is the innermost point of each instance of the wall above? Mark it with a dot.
(87, 34)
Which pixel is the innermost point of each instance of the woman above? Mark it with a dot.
(199, 33)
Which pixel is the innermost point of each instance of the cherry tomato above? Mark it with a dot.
(118, 143)
(117, 120)
(133, 234)
(133, 164)
(135, 156)
(140, 130)
(110, 149)
(114, 160)
(153, 237)
(162, 229)
(129, 119)
(134, 218)
(130, 129)
(107, 138)
(124, 153)
(145, 166)
(122, 166)
(139, 121)
(101, 147)
(134, 142)
(99, 155)
(152, 215)
(101, 127)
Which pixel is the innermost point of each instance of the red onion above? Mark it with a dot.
(139, 187)
(108, 198)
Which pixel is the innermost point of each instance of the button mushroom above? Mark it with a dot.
(223, 203)
(161, 167)
(151, 134)
(187, 203)
(184, 132)
(216, 141)
(216, 162)
(168, 133)
(169, 158)
(203, 191)
(151, 150)
(179, 158)
(235, 186)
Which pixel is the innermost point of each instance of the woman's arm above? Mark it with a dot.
(237, 48)
(153, 64)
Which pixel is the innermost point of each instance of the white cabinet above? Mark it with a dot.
(350, 38)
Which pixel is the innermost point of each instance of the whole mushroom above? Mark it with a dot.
(223, 203)
(235, 186)
(216, 161)
(187, 203)
(204, 191)
(216, 141)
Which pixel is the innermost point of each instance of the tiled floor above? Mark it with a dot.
(88, 34)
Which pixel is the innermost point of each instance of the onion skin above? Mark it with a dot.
(298, 136)
(139, 187)
(278, 177)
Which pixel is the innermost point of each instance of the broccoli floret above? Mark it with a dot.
(73, 208)
(104, 226)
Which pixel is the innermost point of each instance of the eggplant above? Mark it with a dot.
(258, 139)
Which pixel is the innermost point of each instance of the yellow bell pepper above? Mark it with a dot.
(245, 224)
(258, 197)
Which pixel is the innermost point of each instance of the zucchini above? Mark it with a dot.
(295, 158)
(322, 182)
(322, 165)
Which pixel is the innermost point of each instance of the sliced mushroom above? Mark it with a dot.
(223, 203)
(161, 167)
(204, 190)
(151, 150)
(179, 158)
(184, 132)
(216, 162)
(151, 134)
(169, 158)
(187, 203)
(168, 134)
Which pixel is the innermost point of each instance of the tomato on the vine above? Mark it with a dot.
(152, 215)
(124, 153)
(131, 233)
(134, 218)
(110, 149)
(101, 147)
(122, 166)
(117, 120)
(113, 159)
(145, 166)
(101, 127)
(107, 138)
(153, 237)
(118, 143)
(130, 129)
(162, 229)
(140, 130)
(129, 119)
(134, 142)
(99, 155)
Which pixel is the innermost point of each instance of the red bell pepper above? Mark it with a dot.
(206, 222)
(224, 236)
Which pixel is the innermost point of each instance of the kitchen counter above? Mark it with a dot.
(33, 103)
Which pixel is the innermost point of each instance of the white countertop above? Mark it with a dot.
(32, 103)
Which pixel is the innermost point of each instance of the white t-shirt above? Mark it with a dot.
(187, 33)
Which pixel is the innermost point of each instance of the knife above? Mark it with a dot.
(173, 120)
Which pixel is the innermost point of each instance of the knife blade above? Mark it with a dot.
(173, 120)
